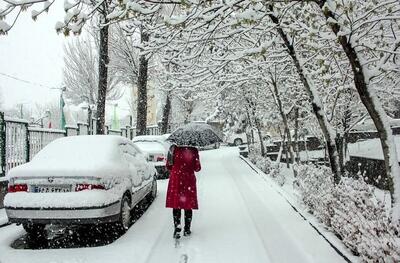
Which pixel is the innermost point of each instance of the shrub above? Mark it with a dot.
(352, 211)
(315, 187)
(363, 223)
(267, 166)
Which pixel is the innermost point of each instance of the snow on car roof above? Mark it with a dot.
(82, 148)
(75, 155)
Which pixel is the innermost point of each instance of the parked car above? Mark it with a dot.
(236, 139)
(155, 148)
(80, 180)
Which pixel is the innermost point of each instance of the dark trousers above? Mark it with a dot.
(177, 218)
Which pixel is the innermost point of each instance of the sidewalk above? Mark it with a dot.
(3, 217)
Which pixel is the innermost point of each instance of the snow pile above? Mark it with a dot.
(352, 211)
(267, 166)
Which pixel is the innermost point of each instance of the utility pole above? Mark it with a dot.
(21, 110)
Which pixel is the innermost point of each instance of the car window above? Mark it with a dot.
(139, 161)
(136, 171)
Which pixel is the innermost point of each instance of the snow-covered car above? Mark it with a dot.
(80, 180)
(155, 147)
(236, 139)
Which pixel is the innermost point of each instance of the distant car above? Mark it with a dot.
(80, 180)
(236, 139)
(155, 148)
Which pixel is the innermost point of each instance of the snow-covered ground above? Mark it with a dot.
(241, 219)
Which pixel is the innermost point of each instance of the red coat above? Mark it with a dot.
(182, 191)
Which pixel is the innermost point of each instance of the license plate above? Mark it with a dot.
(52, 188)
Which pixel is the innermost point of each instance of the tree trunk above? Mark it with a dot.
(166, 113)
(296, 133)
(141, 119)
(374, 108)
(289, 147)
(103, 76)
(314, 98)
(340, 147)
(258, 126)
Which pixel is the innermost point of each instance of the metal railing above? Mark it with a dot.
(39, 138)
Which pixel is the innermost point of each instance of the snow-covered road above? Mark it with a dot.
(241, 219)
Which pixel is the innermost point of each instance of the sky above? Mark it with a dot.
(33, 52)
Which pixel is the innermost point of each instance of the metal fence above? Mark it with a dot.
(19, 142)
(16, 148)
(39, 138)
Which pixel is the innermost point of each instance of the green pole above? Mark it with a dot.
(62, 104)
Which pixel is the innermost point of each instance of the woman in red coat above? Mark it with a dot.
(182, 193)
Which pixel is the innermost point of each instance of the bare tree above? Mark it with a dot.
(81, 75)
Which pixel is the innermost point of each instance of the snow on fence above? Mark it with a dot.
(83, 128)
(39, 138)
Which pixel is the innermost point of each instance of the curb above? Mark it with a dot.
(6, 224)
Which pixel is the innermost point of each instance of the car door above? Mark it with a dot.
(142, 170)
(134, 173)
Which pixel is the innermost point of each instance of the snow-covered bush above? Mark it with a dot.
(267, 166)
(262, 163)
(352, 211)
(363, 223)
(315, 187)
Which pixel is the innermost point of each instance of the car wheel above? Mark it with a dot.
(36, 230)
(122, 225)
(237, 142)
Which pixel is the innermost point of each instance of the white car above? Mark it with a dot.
(156, 148)
(80, 180)
(236, 139)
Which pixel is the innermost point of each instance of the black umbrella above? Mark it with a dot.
(194, 134)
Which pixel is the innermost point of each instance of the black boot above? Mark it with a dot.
(188, 222)
(177, 223)
(177, 232)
